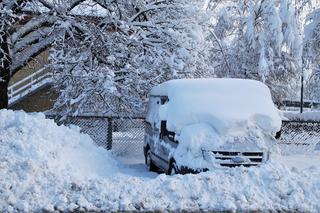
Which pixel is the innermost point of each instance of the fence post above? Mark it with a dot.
(109, 133)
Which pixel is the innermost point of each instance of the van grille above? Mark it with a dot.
(225, 158)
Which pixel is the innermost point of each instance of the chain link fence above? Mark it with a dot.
(125, 135)
(96, 127)
(300, 136)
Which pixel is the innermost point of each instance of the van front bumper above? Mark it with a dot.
(236, 158)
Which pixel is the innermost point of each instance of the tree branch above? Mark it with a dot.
(21, 59)
(222, 51)
(46, 4)
(149, 7)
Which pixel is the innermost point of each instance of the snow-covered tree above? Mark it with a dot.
(8, 16)
(264, 43)
(111, 65)
(312, 55)
(27, 28)
(312, 36)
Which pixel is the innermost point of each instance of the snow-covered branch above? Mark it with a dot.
(112, 68)
(47, 4)
(23, 57)
(155, 5)
(34, 23)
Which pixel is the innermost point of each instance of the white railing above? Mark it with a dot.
(28, 85)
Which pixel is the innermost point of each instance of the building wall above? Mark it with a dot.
(42, 99)
(34, 65)
(39, 101)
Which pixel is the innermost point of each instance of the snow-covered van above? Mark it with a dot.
(194, 125)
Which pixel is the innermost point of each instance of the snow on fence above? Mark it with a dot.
(125, 135)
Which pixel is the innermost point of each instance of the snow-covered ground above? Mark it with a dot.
(305, 116)
(47, 167)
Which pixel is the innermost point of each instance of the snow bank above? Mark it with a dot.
(271, 187)
(46, 167)
(223, 103)
(38, 158)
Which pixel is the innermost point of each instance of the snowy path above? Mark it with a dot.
(134, 166)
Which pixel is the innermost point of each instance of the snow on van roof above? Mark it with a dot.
(222, 103)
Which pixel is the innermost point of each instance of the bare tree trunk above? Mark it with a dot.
(4, 71)
(3, 93)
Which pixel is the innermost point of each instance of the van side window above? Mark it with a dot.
(164, 99)
(153, 112)
(164, 132)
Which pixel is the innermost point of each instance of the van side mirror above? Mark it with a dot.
(164, 132)
(278, 134)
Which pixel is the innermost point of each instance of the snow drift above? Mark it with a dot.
(47, 167)
(38, 157)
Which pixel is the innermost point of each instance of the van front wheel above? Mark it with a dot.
(151, 166)
(173, 168)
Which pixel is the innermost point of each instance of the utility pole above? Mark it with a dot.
(297, 4)
(301, 94)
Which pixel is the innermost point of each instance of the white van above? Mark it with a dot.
(193, 125)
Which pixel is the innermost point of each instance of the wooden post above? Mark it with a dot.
(109, 133)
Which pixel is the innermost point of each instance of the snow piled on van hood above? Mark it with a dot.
(200, 139)
(224, 104)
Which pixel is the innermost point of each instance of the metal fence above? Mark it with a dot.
(125, 135)
(297, 136)
(122, 135)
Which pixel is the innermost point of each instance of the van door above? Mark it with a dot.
(168, 142)
(167, 138)
(152, 132)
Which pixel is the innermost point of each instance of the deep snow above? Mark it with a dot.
(46, 167)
